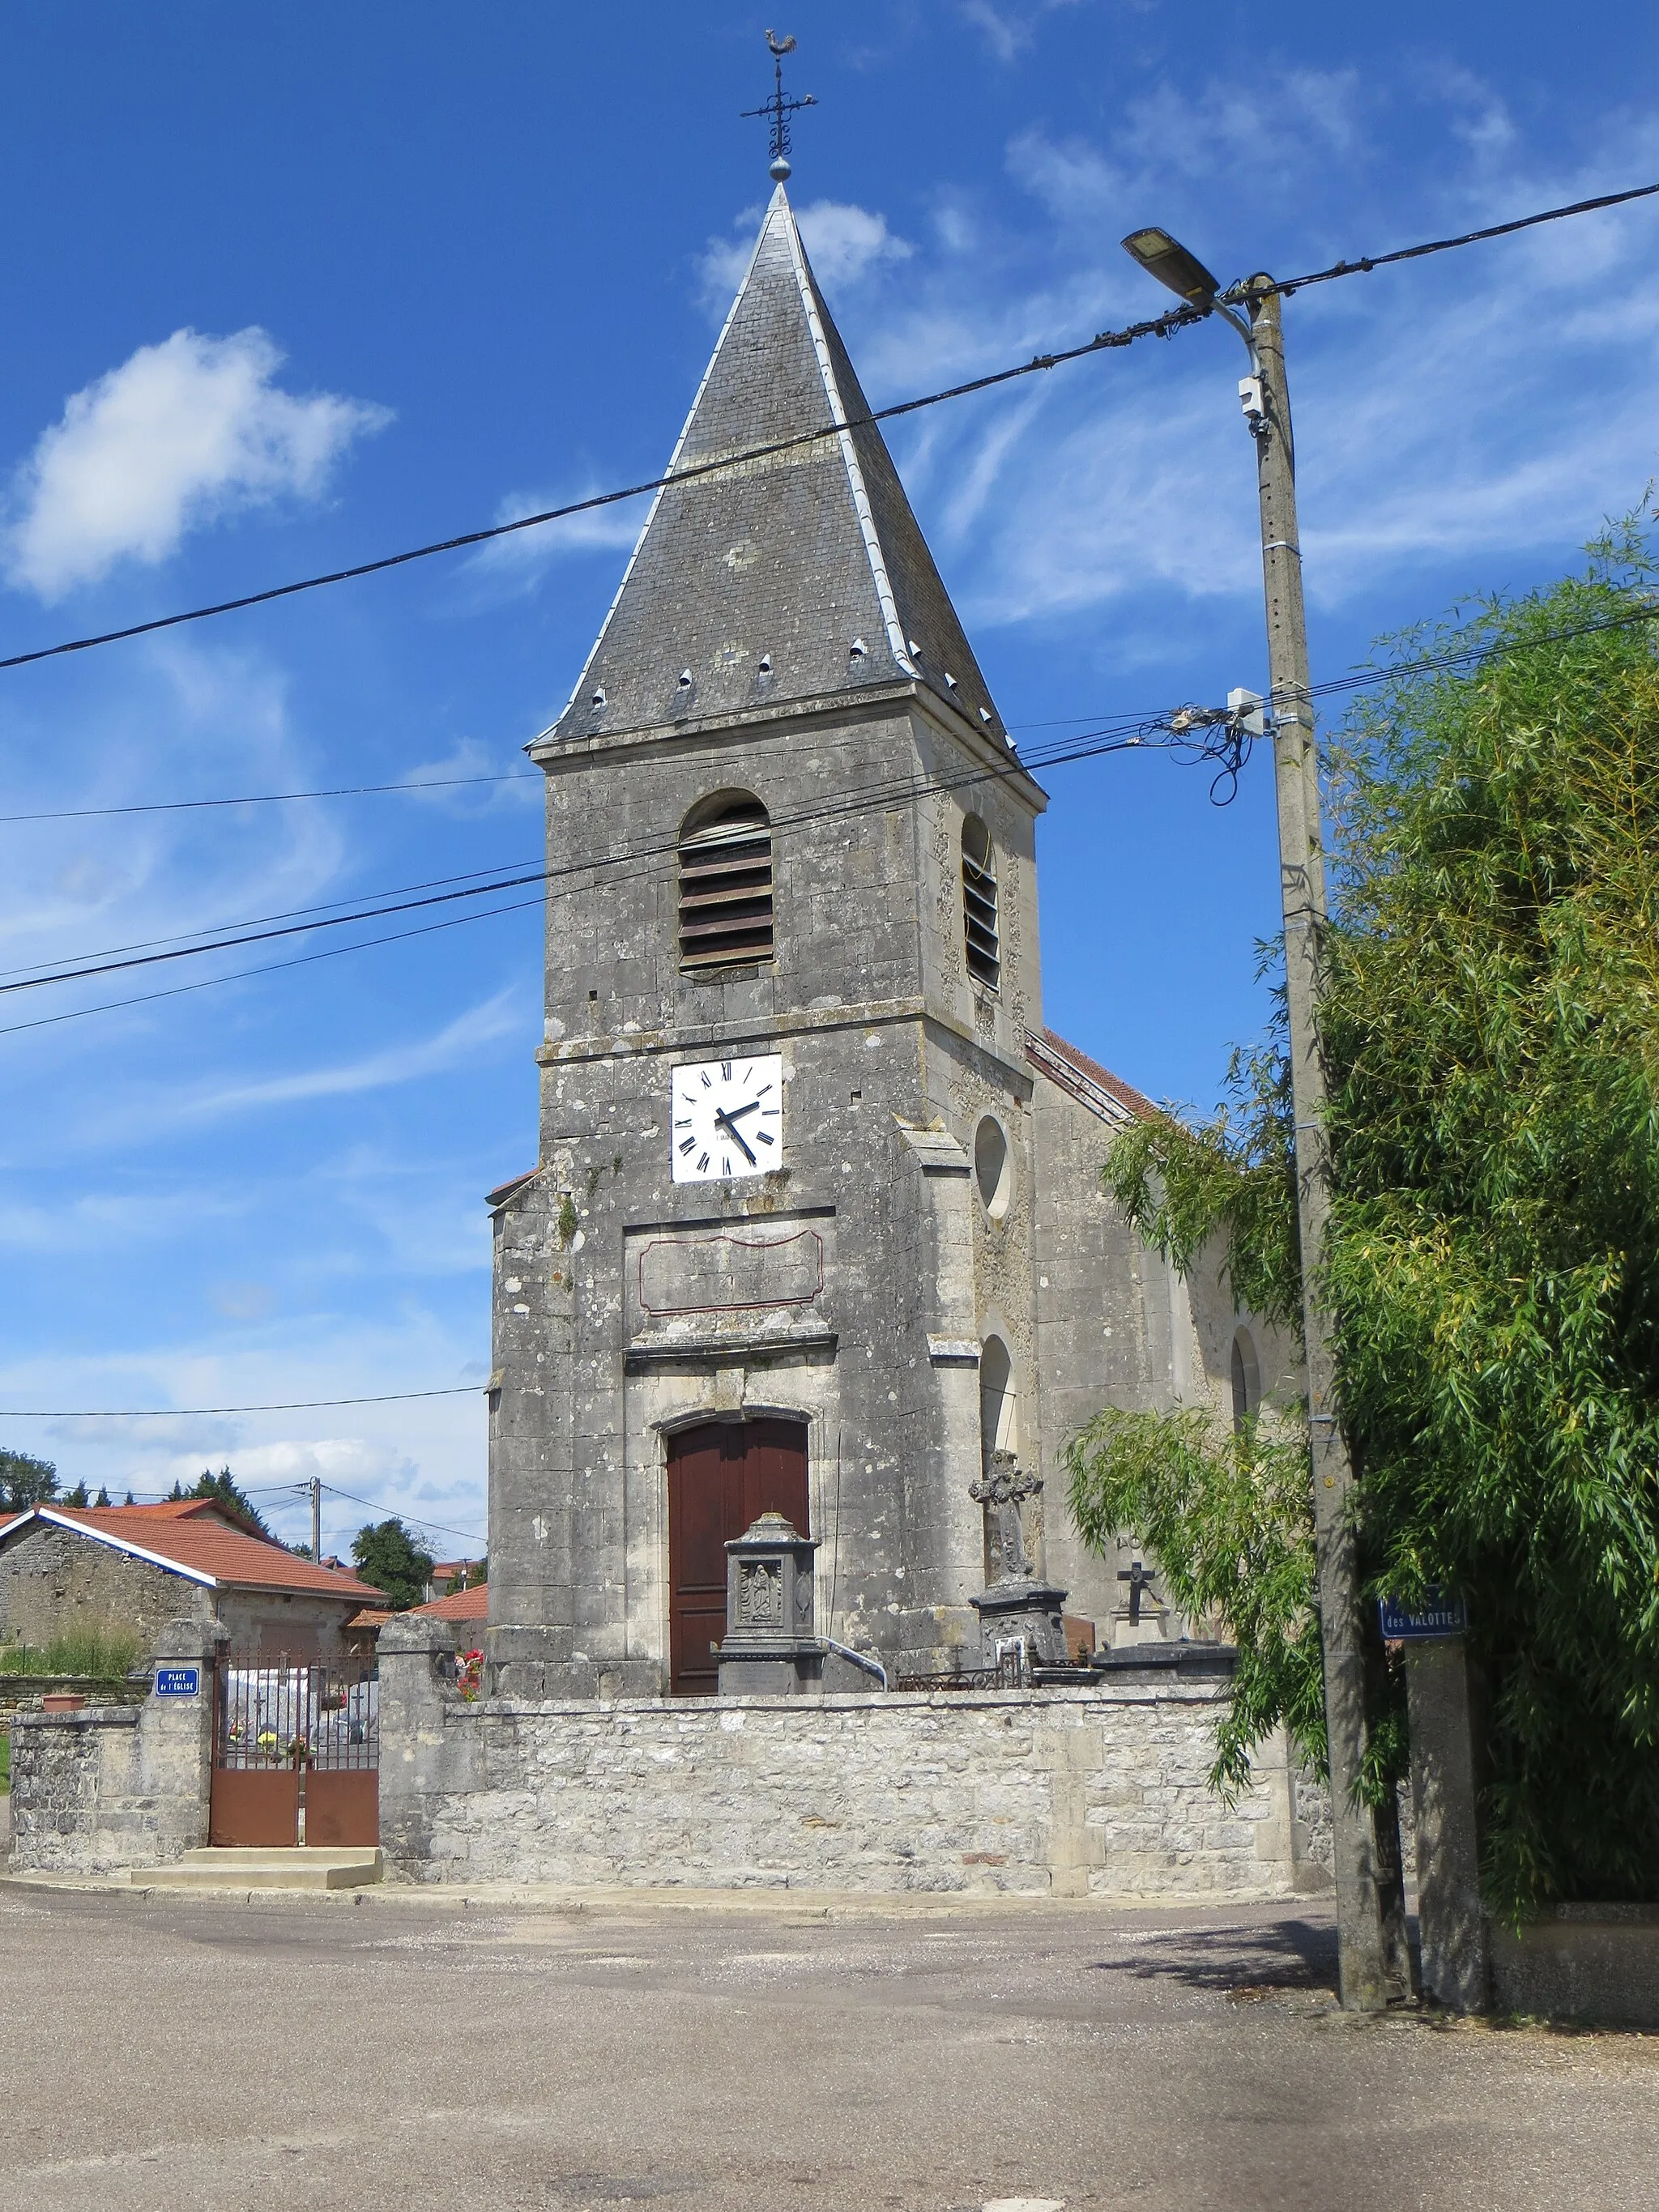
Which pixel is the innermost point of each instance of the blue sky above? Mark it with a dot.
(287, 290)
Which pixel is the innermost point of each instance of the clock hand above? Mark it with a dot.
(732, 1129)
(752, 1107)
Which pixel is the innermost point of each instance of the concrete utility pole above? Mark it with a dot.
(1369, 1947)
(317, 1519)
(1362, 1938)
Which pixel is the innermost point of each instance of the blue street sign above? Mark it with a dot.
(178, 1681)
(1441, 1616)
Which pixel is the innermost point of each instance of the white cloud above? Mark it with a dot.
(424, 1457)
(179, 435)
(1010, 27)
(454, 1045)
(176, 720)
(724, 263)
(339, 1460)
(464, 782)
(1069, 180)
(1131, 478)
(514, 564)
(844, 243)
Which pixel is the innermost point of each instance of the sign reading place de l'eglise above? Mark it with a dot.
(1441, 1615)
(178, 1681)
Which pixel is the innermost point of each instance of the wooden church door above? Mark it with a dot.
(721, 1476)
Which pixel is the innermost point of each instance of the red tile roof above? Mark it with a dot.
(193, 1535)
(460, 1605)
(503, 1191)
(1080, 1074)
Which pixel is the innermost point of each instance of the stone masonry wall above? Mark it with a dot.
(53, 1582)
(1061, 1792)
(115, 1786)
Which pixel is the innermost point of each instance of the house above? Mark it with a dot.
(362, 1630)
(363, 1633)
(462, 1605)
(448, 1575)
(65, 1568)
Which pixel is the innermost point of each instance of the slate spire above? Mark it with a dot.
(800, 575)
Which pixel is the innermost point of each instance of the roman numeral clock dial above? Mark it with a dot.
(727, 1118)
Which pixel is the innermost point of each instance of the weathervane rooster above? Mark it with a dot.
(778, 110)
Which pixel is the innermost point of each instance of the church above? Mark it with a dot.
(815, 1224)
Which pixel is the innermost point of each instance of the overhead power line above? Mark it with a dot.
(867, 799)
(300, 1492)
(403, 1513)
(1151, 732)
(321, 908)
(1162, 326)
(358, 790)
(270, 798)
(228, 943)
(1370, 261)
(266, 967)
(183, 1413)
(1213, 744)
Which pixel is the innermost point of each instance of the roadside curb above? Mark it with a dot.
(621, 1902)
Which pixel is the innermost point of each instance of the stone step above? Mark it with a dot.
(282, 1855)
(243, 1868)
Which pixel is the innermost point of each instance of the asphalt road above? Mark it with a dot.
(395, 2054)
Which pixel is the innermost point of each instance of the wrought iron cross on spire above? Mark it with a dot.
(778, 109)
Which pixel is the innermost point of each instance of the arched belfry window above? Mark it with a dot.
(725, 882)
(998, 1426)
(979, 904)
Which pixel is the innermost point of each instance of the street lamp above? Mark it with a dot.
(1167, 259)
(1370, 1939)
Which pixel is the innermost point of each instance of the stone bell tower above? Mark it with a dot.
(784, 1189)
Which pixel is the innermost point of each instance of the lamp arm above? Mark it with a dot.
(1244, 329)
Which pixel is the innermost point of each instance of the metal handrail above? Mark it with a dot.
(858, 1658)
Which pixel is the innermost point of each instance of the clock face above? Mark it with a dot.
(727, 1118)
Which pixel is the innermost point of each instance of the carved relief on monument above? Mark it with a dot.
(760, 1594)
(729, 1271)
(754, 1282)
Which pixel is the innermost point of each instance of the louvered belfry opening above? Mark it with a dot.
(979, 904)
(725, 884)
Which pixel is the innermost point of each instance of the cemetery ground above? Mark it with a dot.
(398, 2049)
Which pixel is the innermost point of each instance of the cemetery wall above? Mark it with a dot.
(1064, 1792)
(116, 1786)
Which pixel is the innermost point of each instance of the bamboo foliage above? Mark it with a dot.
(1491, 1040)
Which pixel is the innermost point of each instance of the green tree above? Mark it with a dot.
(1491, 1040)
(25, 1481)
(387, 1555)
(224, 1489)
(78, 1496)
(1228, 1517)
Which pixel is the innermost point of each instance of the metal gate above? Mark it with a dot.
(297, 1756)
